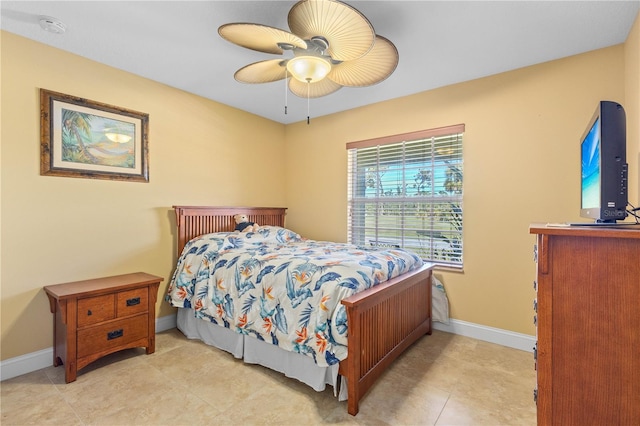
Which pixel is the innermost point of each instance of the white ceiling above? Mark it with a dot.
(439, 42)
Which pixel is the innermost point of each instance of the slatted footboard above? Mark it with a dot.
(383, 322)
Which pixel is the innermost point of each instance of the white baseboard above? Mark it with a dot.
(166, 323)
(511, 339)
(33, 361)
(24, 364)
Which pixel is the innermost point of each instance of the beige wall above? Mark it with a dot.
(65, 229)
(521, 166)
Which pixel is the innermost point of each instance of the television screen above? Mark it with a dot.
(603, 165)
(591, 168)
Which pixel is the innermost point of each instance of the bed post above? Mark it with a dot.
(353, 359)
(181, 228)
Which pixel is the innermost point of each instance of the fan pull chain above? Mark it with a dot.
(308, 93)
(286, 75)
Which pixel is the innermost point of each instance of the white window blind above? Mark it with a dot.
(406, 191)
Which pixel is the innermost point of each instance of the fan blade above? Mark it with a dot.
(372, 68)
(260, 37)
(349, 33)
(262, 72)
(313, 90)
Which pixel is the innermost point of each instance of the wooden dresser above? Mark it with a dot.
(588, 325)
(97, 317)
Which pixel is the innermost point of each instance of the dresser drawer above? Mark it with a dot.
(109, 336)
(132, 302)
(93, 310)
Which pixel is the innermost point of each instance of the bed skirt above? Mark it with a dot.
(254, 351)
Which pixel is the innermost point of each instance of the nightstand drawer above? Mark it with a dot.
(132, 302)
(93, 310)
(112, 335)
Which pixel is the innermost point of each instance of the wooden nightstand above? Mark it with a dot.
(94, 318)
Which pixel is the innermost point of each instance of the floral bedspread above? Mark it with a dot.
(281, 288)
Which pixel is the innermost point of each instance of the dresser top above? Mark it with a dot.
(601, 231)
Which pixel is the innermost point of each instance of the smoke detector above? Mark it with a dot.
(52, 25)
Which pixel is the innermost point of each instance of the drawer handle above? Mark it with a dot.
(89, 313)
(133, 302)
(115, 334)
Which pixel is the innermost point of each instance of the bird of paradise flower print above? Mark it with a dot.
(279, 287)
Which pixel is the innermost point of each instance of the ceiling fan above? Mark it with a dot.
(333, 45)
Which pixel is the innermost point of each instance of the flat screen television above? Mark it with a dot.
(604, 166)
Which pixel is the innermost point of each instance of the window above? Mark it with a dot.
(406, 191)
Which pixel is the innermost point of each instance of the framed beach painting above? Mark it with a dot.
(88, 139)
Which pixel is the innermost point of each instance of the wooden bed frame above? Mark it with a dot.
(383, 320)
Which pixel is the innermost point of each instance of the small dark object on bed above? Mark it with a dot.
(243, 224)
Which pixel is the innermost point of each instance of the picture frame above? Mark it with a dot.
(87, 139)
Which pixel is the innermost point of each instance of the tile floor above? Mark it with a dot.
(443, 379)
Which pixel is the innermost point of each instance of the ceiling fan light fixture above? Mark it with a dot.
(308, 69)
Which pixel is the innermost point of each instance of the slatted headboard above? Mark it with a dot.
(198, 220)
